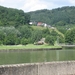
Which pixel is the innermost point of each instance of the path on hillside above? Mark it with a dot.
(59, 32)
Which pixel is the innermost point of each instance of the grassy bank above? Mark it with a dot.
(29, 46)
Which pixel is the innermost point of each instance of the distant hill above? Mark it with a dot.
(56, 17)
(64, 16)
(13, 17)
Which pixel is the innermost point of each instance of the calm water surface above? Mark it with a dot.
(36, 56)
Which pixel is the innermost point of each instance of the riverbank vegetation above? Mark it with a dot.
(26, 35)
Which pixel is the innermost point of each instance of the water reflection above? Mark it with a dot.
(8, 57)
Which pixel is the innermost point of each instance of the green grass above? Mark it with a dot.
(29, 46)
(59, 32)
(41, 28)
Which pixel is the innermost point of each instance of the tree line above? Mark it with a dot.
(25, 35)
(13, 17)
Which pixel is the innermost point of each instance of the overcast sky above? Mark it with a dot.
(32, 5)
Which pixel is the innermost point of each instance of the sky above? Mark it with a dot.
(33, 5)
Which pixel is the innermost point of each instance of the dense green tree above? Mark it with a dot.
(2, 36)
(17, 41)
(36, 36)
(50, 40)
(13, 17)
(61, 39)
(25, 31)
(24, 41)
(70, 36)
(9, 35)
(45, 32)
(10, 40)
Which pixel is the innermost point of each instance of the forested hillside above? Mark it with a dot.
(15, 28)
(56, 17)
(13, 17)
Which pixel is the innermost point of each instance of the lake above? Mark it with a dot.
(36, 56)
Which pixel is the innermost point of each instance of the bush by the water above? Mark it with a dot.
(50, 40)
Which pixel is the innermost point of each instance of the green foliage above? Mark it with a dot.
(10, 40)
(24, 41)
(14, 25)
(70, 36)
(25, 31)
(17, 41)
(36, 36)
(12, 35)
(9, 35)
(50, 40)
(54, 34)
(55, 17)
(45, 32)
(13, 17)
(2, 36)
(61, 39)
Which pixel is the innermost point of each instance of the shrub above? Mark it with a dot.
(24, 41)
(50, 40)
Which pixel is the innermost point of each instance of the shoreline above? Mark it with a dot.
(33, 49)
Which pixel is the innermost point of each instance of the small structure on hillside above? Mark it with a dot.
(41, 42)
(41, 24)
(33, 23)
